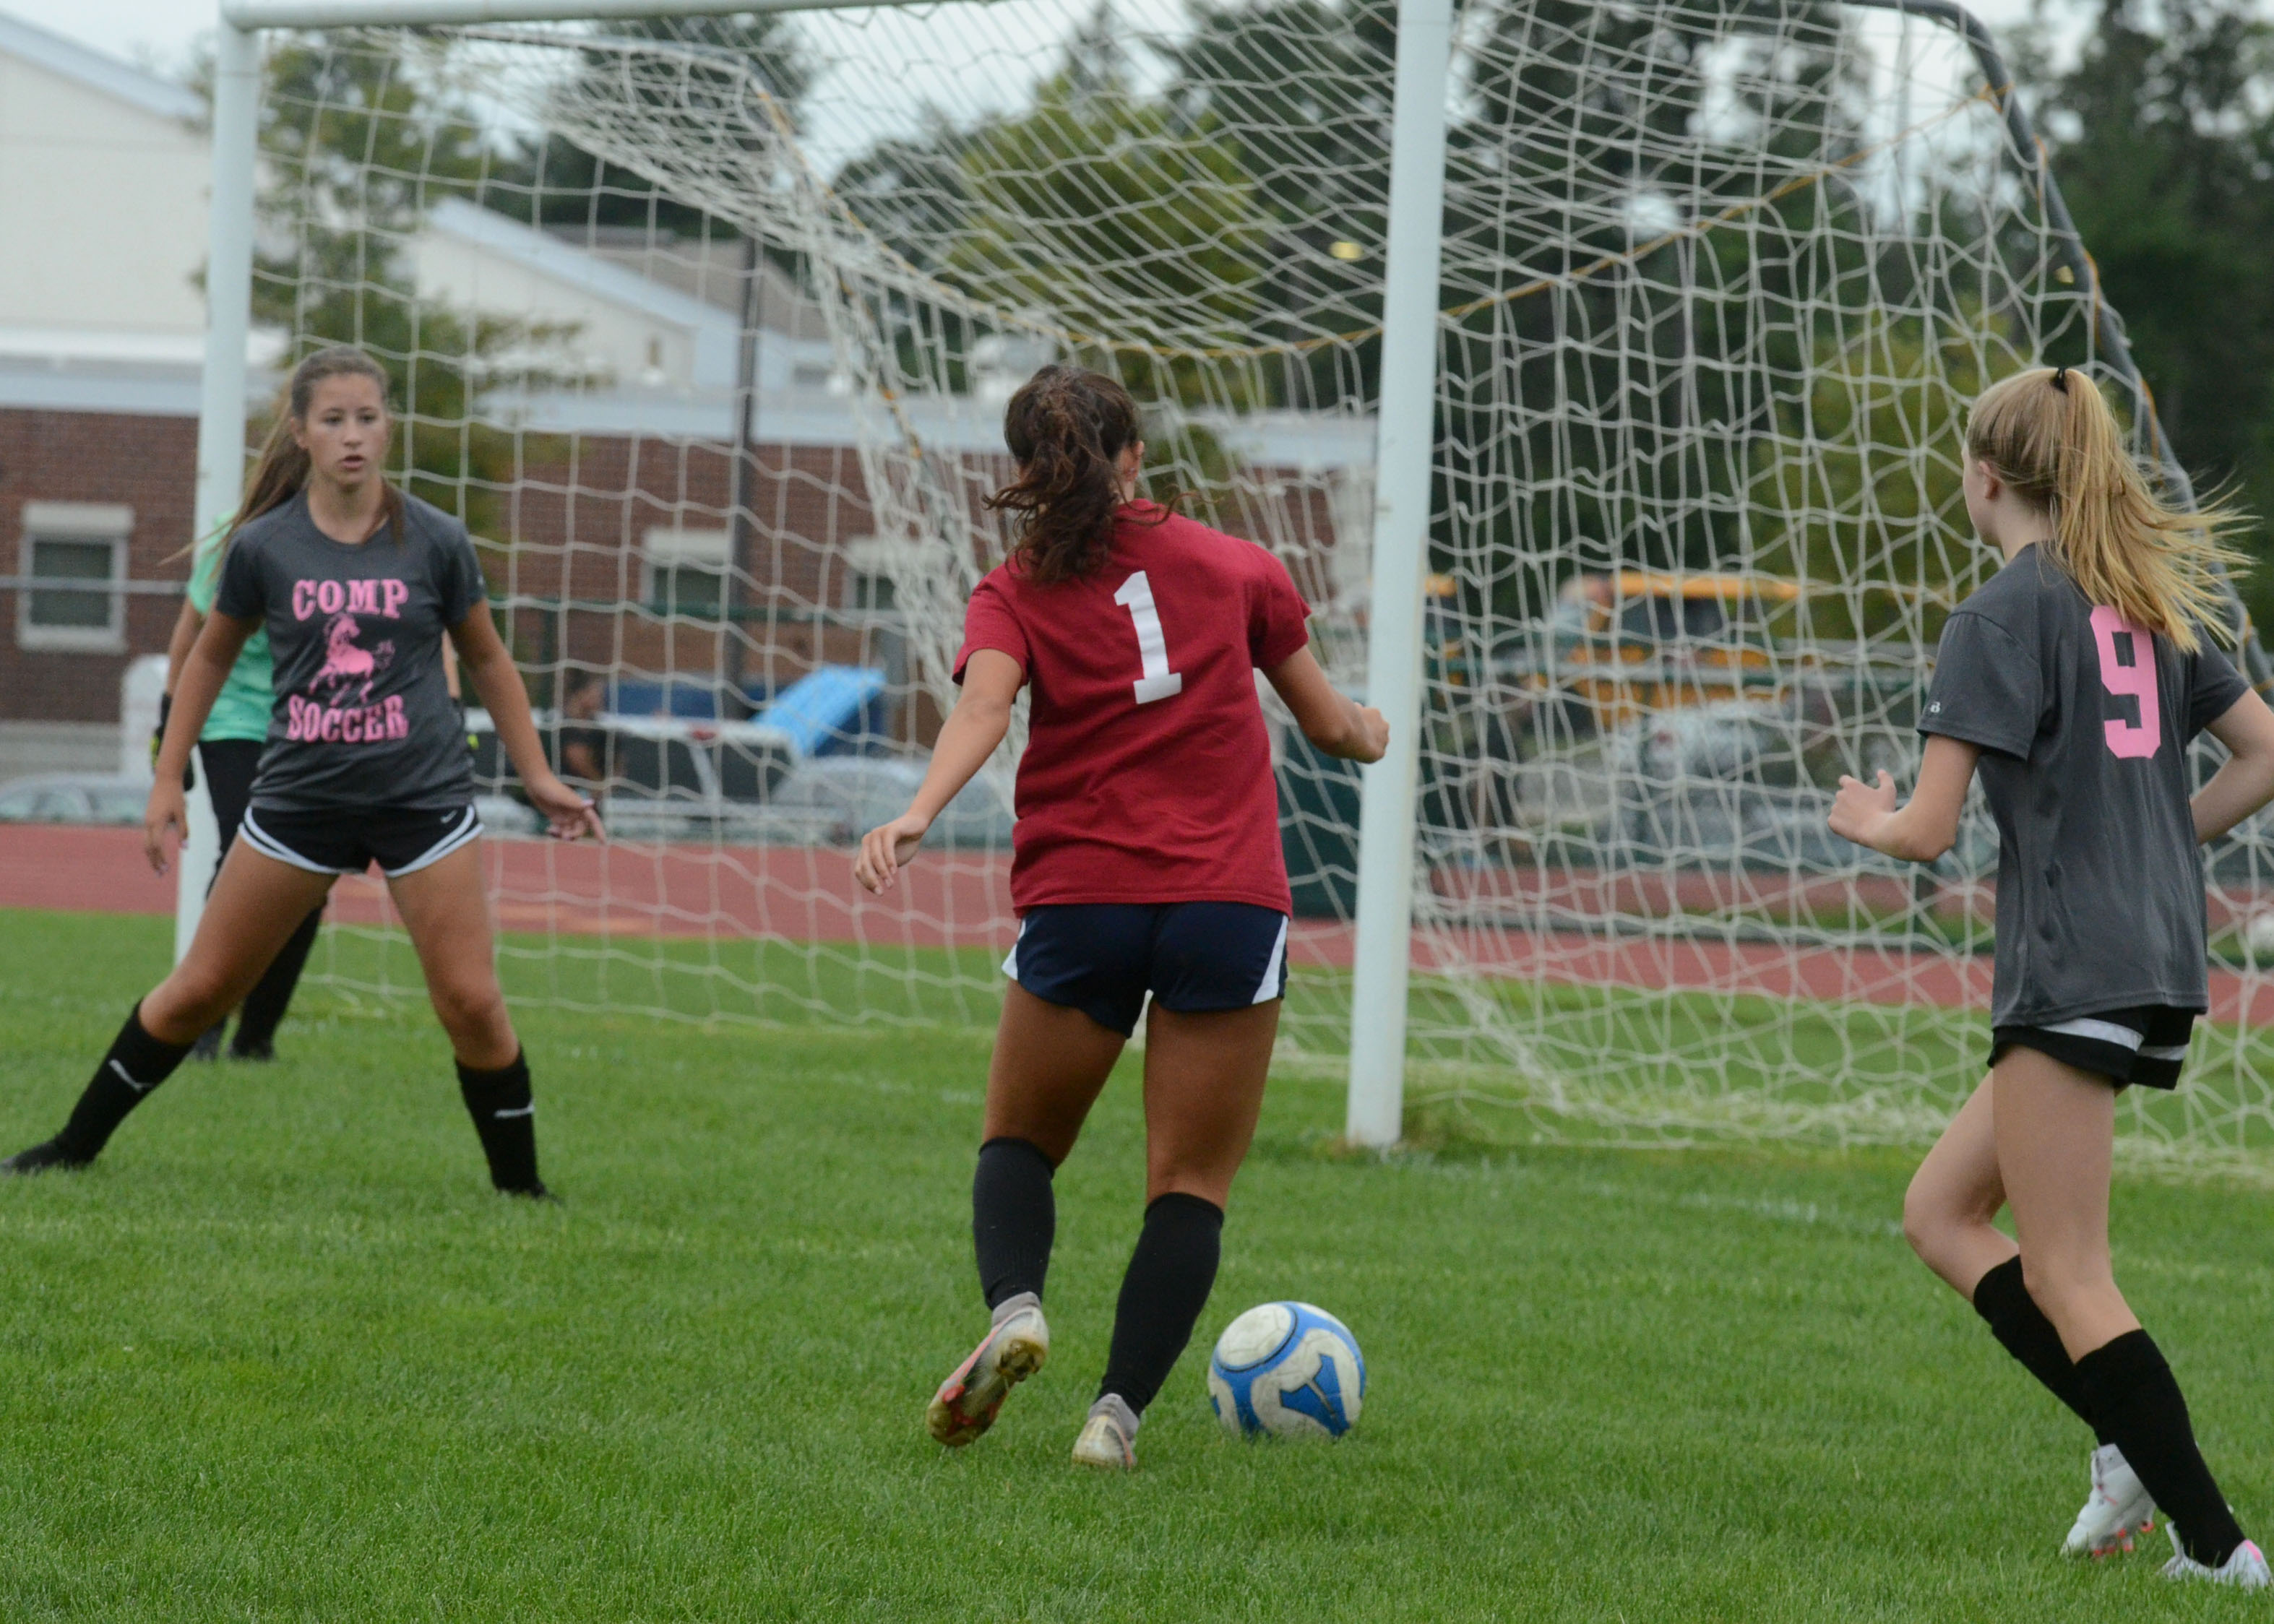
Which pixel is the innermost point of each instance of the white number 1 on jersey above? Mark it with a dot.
(1158, 683)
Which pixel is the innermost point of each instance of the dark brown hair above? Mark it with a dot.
(282, 470)
(1067, 428)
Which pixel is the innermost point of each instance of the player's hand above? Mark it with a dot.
(1372, 741)
(1860, 810)
(568, 815)
(167, 810)
(886, 847)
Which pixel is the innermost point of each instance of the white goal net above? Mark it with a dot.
(706, 326)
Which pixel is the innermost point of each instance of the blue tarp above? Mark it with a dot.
(821, 709)
(689, 700)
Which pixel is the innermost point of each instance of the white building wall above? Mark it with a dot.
(615, 344)
(631, 333)
(103, 217)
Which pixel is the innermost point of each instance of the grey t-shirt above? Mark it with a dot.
(2084, 722)
(363, 716)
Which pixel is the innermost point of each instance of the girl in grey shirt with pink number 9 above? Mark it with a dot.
(2071, 683)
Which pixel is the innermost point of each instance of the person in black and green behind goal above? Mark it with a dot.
(229, 751)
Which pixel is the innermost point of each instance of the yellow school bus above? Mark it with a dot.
(1636, 640)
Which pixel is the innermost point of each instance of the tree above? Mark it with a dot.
(357, 143)
(1144, 240)
(2163, 141)
(552, 181)
(1874, 518)
(1610, 359)
(1301, 91)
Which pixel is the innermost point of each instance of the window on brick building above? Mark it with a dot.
(686, 572)
(73, 562)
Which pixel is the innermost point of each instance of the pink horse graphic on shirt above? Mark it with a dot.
(345, 664)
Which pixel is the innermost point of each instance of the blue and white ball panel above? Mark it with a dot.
(1288, 1370)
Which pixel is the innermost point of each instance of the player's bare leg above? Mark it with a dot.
(2056, 1129)
(1204, 1076)
(2056, 1134)
(1953, 1197)
(256, 904)
(1948, 1215)
(446, 910)
(1049, 1064)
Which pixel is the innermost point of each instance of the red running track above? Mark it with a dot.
(809, 895)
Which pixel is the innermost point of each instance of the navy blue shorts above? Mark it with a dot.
(1103, 957)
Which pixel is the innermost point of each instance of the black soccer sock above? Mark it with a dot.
(264, 1005)
(136, 1064)
(1014, 1218)
(506, 1117)
(1169, 1277)
(2138, 1402)
(2021, 1327)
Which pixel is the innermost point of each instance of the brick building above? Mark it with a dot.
(100, 334)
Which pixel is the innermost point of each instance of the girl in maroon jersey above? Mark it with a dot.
(1146, 860)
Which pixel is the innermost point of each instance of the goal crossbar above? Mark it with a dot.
(251, 15)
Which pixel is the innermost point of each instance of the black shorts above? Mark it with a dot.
(2146, 1046)
(400, 840)
(1103, 957)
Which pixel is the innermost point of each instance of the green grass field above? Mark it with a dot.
(281, 1357)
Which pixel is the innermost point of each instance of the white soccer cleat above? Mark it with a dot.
(1012, 1350)
(1107, 1438)
(2244, 1570)
(2116, 1508)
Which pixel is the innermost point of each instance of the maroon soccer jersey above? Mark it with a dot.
(1148, 770)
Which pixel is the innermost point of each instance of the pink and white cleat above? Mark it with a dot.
(2116, 1508)
(2244, 1570)
(1014, 1349)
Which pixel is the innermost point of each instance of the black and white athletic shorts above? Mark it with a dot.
(1103, 957)
(2146, 1046)
(401, 840)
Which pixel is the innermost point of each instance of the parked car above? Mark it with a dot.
(1732, 743)
(851, 794)
(1719, 783)
(669, 777)
(673, 779)
(75, 798)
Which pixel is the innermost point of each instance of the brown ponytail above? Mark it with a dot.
(2048, 433)
(282, 471)
(1067, 428)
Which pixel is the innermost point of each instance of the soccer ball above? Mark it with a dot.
(1288, 1370)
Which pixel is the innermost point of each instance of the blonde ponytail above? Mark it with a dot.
(2049, 434)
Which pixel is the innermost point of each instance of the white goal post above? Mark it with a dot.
(1657, 320)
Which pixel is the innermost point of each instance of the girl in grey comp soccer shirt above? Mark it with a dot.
(365, 760)
(2073, 682)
